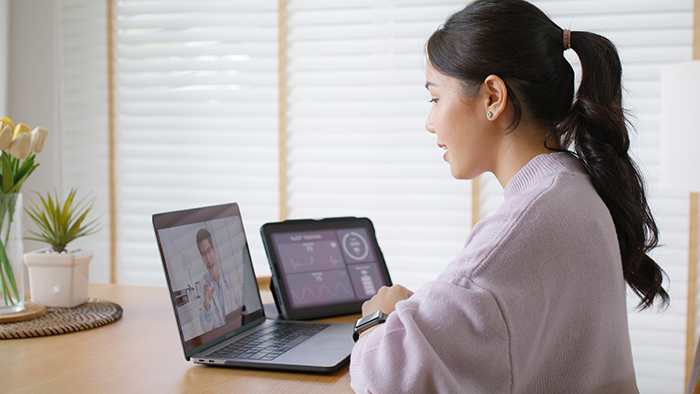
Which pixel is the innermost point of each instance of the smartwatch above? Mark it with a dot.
(366, 322)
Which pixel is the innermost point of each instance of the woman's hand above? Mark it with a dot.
(385, 300)
(208, 294)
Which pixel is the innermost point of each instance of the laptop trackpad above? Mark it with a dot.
(325, 348)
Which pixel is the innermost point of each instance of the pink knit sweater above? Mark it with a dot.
(535, 303)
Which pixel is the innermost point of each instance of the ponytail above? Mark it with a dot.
(516, 41)
(597, 127)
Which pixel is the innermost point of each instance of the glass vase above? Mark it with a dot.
(11, 254)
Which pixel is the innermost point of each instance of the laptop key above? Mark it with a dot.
(269, 344)
(295, 342)
(258, 356)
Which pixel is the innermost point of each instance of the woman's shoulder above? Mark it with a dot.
(549, 212)
(551, 188)
(543, 173)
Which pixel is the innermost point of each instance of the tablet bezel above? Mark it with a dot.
(278, 283)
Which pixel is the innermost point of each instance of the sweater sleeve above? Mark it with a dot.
(446, 338)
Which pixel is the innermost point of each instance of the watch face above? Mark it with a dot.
(367, 322)
(366, 319)
(377, 316)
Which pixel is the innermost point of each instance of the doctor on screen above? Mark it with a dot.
(220, 295)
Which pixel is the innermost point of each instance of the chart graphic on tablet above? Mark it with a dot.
(328, 266)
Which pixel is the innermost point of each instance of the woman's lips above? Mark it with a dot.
(444, 147)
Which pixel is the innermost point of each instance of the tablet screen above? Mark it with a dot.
(333, 262)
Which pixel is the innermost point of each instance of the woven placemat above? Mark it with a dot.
(93, 313)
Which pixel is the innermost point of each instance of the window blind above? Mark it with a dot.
(197, 124)
(197, 119)
(357, 142)
(83, 117)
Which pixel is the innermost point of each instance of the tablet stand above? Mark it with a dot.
(274, 297)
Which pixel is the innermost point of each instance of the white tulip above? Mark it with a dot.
(5, 137)
(7, 121)
(20, 146)
(39, 136)
(20, 128)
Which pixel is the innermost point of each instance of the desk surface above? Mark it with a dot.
(141, 352)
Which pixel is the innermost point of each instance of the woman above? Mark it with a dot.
(536, 300)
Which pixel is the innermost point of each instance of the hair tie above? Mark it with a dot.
(567, 39)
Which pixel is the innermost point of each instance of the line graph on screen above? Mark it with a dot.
(339, 291)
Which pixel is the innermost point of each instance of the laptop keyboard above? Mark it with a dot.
(270, 342)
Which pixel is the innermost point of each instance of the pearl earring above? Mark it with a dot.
(489, 114)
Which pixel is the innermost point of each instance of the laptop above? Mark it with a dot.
(217, 305)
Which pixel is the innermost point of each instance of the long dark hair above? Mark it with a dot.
(516, 41)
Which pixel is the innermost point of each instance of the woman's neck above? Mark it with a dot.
(518, 147)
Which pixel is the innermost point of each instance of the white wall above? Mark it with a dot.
(4, 31)
(31, 85)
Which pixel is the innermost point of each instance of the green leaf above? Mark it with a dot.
(58, 222)
(7, 268)
(41, 220)
(6, 296)
(7, 179)
(67, 211)
(75, 228)
(27, 165)
(18, 184)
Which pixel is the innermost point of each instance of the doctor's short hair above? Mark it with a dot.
(203, 234)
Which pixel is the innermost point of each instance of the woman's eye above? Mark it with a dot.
(433, 101)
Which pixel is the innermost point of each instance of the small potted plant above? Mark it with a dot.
(59, 277)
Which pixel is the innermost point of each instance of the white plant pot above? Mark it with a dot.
(58, 279)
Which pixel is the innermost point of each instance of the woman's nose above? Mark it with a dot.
(429, 124)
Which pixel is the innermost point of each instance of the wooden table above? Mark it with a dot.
(141, 352)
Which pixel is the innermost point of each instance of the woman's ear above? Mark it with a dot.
(496, 94)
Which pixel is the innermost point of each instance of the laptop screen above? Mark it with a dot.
(209, 273)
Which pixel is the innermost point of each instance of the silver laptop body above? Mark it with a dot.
(207, 263)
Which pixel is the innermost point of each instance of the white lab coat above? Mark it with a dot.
(225, 300)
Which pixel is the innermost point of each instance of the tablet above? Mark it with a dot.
(324, 267)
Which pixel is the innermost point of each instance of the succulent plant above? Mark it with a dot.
(60, 223)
